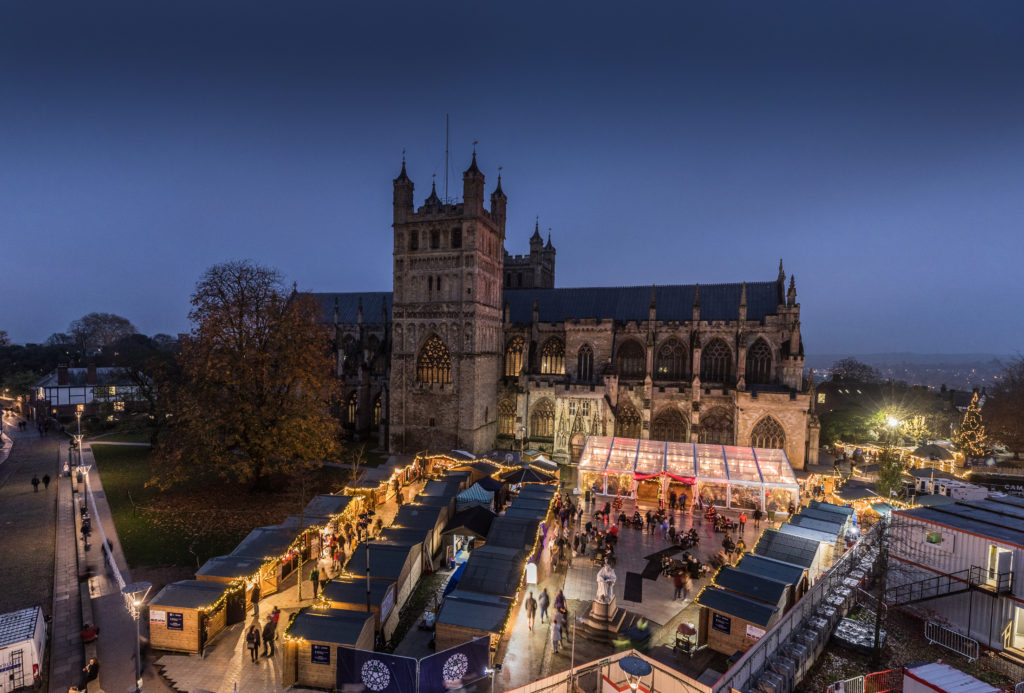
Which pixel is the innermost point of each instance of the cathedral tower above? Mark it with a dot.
(446, 317)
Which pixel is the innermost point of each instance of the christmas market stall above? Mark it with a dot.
(392, 562)
(186, 615)
(239, 571)
(312, 640)
(720, 475)
(806, 553)
(480, 469)
(731, 622)
(467, 615)
(425, 517)
(475, 495)
(465, 531)
(789, 573)
(278, 550)
(350, 594)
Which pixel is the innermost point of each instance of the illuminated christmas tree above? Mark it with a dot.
(970, 439)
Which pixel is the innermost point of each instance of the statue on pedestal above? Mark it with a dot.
(605, 585)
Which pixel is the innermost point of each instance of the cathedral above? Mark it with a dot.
(476, 349)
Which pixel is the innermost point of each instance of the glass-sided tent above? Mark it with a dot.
(724, 475)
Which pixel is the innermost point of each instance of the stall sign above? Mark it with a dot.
(175, 621)
(387, 604)
(320, 654)
(157, 616)
(754, 633)
(721, 623)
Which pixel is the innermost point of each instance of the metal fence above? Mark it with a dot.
(854, 685)
(938, 634)
(743, 674)
(884, 681)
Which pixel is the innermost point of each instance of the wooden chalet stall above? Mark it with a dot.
(480, 469)
(241, 573)
(806, 553)
(794, 576)
(311, 644)
(350, 594)
(731, 622)
(277, 550)
(186, 615)
(423, 517)
(467, 615)
(401, 564)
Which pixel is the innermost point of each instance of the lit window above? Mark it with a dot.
(434, 365)
(118, 406)
(671, 361)
(506, 418)
(514, 357)
(821, 398)
(542, 420)
(933, 537)
(552, 357)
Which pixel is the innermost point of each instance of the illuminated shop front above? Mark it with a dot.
(722, 475)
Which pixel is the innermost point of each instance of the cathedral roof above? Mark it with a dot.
(717, 301)
(348, 306)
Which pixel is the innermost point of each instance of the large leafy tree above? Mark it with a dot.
(852, 370)
(1004, 408)
(971, 438)
(256, 382)
(98, 330)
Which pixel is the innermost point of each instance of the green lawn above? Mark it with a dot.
(122, 437)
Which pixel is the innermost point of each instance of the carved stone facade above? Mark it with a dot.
(459, 356)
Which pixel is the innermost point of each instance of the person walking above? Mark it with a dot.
(672, 497)
(559, 602)
(252, 641)
(679, 584)
(757, 519)
(556, 636)
(35, 483)
(531, 609)
(743, 522)
(269, 634)
(46, 481)
(314, 577)
(543, 601)
(254, 598)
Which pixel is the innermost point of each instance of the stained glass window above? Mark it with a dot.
(506, 418)
(552, 357)
(768, 433)
(434, 365)
(670, 363)
(670, 425)
(715, 362)
(759, 363)
(514, 357)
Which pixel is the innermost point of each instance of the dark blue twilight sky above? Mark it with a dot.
(877, 146)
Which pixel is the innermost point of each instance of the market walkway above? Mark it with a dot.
(226, 662)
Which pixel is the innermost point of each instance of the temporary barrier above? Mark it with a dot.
(938, 634)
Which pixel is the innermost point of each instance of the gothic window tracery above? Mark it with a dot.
(349, 355)
(352, 409)
(542, 419)
(768, 433)
(670, 363)
(434, 364)
(716, 427)
(514, 357)
(552, 357)
(585, 363)
(669, 425)
(377, 411)
(759, 363)
(632, 360)
(627, 421)
(715, 362)
(506, 418)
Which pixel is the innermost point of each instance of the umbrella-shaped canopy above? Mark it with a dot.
(526, 475)
(933, 452)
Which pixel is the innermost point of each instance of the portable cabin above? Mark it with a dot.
(312, 641)
(466, 615)
(793, 575)
(229, 570)
(272, 545)
(790, 548)
(980, 546)
(22, 646)
(731, 622)
(186, 615)
(401, 564)
(423, 517)
(938, 677)
(350, 594)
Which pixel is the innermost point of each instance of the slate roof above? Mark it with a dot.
(77, 377)
(231, 566)
(189, 594)
(338, 626)
(787, 547)
(513, 532)
(351, 591)
(736, 605)
(750, 585)
(386, 561)
(417, 516)
(622, 303)
(773, 568)
(485, 612)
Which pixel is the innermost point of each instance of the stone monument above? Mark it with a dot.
(604, 614)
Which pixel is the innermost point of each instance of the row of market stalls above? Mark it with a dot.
(744, 600)
(720, 475)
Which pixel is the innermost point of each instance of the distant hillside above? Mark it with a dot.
(957, 371)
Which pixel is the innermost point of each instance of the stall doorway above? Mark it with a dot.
(1000, 564)
(648, 490)
(684, 494)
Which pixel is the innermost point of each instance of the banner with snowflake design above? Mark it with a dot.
(456, 667)
(362, 671)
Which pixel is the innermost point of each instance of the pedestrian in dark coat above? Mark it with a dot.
(269, 634)
(531, 609)
(90, 672)
(46, 481)
(252, 641)
(255, 599)
(35, 483)
(543, 601)
(314, 577)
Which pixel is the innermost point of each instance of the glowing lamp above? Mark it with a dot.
(635, 669)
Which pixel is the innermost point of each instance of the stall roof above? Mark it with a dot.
(516, 532)
(295, 522)
(434, 501)
(417, 516)
(386, 561)
(484, 612)
(486, 468)
(352, 591)
(266, 542)
(475, 494)
(856, 490)
(231, 566)
(809, 533)
(493, 570)
(402, 536)
(536, 492)
(832, 507)
(725, 463)
(327, 504)
(826, 515)
(754, 586)
(336, 626)
(475, 520)
(836, 529)
(189, 594)
(930, 472)
(787, 547)
(441, 488)
(525, 512)
(491, 484)
(541, 504)
(772, 568)
(736, 605)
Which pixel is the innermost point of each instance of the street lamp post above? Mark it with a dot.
(134, 595)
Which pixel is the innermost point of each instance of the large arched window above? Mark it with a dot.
(670, 362)
(670, 425)
(506, 418)
(377, 411)
(759, 363)
(715, 362)
(585, 364)
(627, 421)
(552, 357)
(768, 433)
(352, 409)
(514, 357)
(349, 356)
(433, 365)
(542, 419)
(716, 427)
(632, 360)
